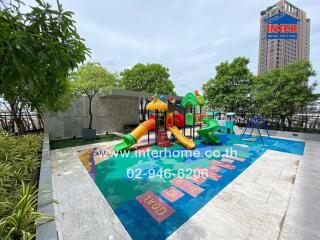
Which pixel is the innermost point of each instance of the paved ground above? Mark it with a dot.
(303, 217)
(253, 206)
(82, 213)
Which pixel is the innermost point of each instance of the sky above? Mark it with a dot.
(188, 37)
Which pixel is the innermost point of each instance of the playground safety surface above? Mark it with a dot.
(154, 207)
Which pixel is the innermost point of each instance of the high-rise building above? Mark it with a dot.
(275, 52)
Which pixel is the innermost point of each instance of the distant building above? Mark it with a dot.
(277, 53)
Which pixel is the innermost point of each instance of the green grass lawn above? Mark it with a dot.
(70, 142)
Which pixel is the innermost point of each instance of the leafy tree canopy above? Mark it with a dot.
(91, 79)
(152, 78)
(229, 89)
(38, 50)
(284, 91)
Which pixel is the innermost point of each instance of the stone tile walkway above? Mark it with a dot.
(302, 221)
(82, 213)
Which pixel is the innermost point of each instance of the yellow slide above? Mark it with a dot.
(188, 143)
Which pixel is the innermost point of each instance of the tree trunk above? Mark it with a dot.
(39, 119)
(40, 122)
(289, 118)
(31, 120)
(142, 115)
(26, 124)
(3, 124)
(17, 117)
(90, 113)
(3, 120)
(145, 108)
(20, 126)
(283, 121)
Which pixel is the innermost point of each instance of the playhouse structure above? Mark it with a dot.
(160, 121)
(225, 120)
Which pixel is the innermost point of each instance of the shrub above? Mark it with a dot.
(19, 171)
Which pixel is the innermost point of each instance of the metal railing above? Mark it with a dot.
(304, 122)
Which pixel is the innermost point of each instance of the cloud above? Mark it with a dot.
(188, 37)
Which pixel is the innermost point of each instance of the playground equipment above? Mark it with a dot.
(229, 123)
(159, 107)
(188, 143)
(189, 103)
(254, 123)
(160, 121)
(207, 132)
(225, 120)
(189, 119)
(174, 119)
(135, 135)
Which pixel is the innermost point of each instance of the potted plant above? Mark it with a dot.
(88, 81)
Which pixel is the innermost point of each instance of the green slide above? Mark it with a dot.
(128, 141)
(207, 132)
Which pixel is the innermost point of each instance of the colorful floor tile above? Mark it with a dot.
(187, 186)
(233, 157)
(214, 176)
(172, 194)
(198, 179)
(226, 160)
(157, 208)
(214, 168)
(223, 164)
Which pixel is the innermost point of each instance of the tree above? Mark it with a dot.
(284, 91)
(38, 51)
(152, 78)
(90, 80)
(229, 89)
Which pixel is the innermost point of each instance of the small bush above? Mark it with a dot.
(19, 171)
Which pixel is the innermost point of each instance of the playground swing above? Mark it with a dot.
(254, 123)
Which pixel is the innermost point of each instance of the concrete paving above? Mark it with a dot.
(302, 220)
(82, 212)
